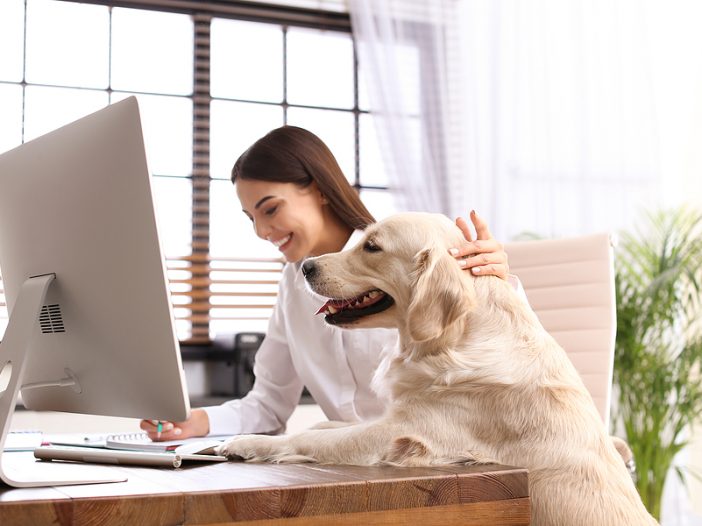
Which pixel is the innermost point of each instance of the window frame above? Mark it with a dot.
(198, 262)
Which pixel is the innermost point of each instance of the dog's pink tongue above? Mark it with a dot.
(323, 307)
(337, 304)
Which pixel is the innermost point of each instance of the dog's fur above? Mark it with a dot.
(475, 379)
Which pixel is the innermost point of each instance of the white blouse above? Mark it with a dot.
(301, 349)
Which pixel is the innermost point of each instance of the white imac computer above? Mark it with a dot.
(91, 325)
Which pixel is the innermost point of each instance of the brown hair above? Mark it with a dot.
(294, 155)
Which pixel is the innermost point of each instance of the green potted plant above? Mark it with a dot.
(658, 352)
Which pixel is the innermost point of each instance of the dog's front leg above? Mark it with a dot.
(360, 444)
(332, 424)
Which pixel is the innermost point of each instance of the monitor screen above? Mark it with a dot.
(77, 204)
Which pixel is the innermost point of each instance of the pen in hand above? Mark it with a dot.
(159, 428)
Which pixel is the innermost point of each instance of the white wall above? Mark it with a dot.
(675, 43)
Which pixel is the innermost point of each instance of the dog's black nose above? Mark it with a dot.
(308, 269)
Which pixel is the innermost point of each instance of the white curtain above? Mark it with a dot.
(539, 114)
(402, 55)
(551, 117)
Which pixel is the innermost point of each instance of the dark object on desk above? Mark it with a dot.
(233, 359)
(245, 346)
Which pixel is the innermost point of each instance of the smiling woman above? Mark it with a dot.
(292, 218)
(294, 155)
(297, 198)
(293, 190)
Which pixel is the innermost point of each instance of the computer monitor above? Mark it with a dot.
(91, 324)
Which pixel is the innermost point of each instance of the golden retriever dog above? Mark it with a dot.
(475, 378)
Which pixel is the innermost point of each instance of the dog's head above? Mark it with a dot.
(399, 275)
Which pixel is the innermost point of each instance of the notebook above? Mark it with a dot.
(127, 441)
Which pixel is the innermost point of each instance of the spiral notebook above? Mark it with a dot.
(127, 441)
(142, 442)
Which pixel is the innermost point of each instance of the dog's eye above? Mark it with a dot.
(370, 246)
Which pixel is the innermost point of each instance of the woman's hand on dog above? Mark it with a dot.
(196, 426)
(484, 256)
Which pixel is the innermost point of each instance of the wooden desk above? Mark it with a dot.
(265, 494)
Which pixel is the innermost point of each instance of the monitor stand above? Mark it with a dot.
(13, 355)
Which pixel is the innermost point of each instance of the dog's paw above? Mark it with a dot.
(262, 448)
(408, 451)
(249, 447)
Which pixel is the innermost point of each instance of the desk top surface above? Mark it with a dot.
(236, 491)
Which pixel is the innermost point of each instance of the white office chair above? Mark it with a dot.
(570, 286)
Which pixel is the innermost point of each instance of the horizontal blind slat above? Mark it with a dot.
(201, 282)
(201, 269)
(201, 294)
(198, 311)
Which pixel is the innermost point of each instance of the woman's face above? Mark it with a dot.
(294, 219)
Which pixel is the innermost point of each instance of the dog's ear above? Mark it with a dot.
(440, 294)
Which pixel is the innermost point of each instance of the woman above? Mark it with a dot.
(292, 189)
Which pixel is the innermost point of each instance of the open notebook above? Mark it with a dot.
(128, 441)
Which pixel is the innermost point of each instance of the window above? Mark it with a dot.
(225, 76)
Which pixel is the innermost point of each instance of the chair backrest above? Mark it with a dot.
(570, 286)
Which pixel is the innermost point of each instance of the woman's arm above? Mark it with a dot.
(272, 399)
(265, 409)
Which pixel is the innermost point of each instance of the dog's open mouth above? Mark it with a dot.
(347, 310)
